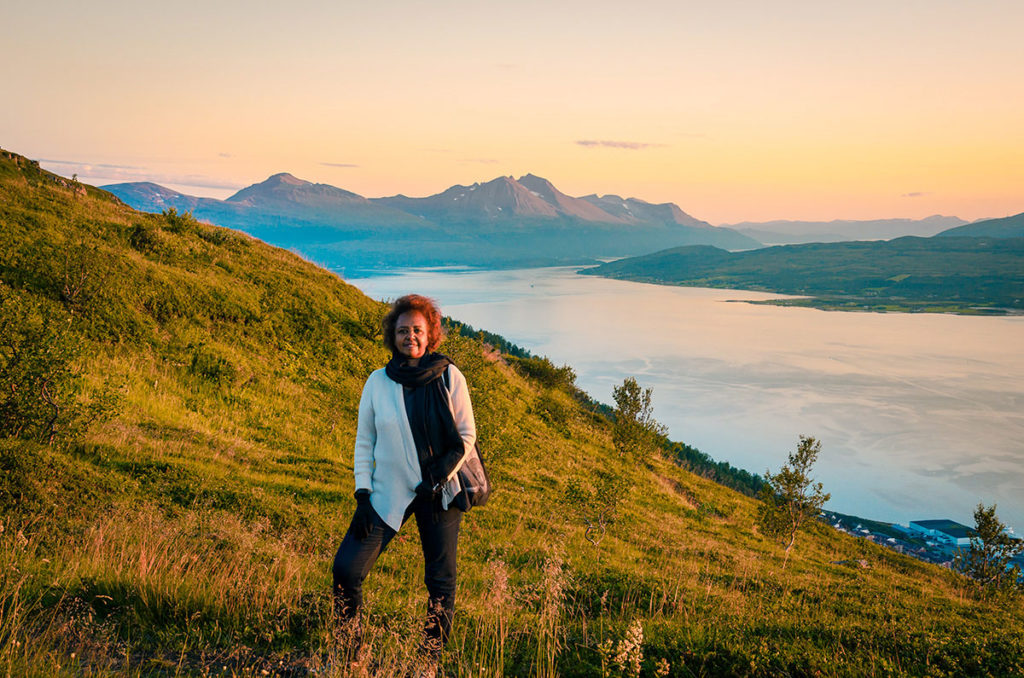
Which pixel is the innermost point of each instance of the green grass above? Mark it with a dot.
(192, 532)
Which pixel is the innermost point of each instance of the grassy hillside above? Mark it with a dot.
(961, 275)
(184, 519)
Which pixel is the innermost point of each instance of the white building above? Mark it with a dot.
(944, 531)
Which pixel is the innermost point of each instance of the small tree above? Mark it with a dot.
(41, 386)
(595, 499)
(988, 561)
(788, 498)
(82, 277)
(636, 431)
(596, 504)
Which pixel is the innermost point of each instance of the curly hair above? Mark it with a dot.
(413, 302)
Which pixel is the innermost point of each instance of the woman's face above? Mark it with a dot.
(411, 335)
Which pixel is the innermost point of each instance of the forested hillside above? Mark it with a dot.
(962, 275)
(1007, 227)
(179, 405)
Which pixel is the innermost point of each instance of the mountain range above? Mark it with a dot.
(502, 222)
(782, 232)
(536, 197)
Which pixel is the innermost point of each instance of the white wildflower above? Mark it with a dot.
(628, 655)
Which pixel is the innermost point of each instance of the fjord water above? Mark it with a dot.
(920, 415)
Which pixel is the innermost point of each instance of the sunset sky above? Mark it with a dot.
(785, 109)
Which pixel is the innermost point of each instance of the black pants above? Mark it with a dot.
(439, 535)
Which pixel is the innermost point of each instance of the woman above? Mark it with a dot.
(415, 428)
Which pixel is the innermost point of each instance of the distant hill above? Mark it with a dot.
(966, 275)
(156, 195)
(286, 191)
(191, 530)
(503, 222)
(150, 197)
(1007, 227)
(795, 232)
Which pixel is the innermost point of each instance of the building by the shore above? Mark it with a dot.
(944, 531)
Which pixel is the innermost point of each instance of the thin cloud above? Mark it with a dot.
(627, 145)
(197, 182)
(225, 155)
(915, 194)
(480, 161)
(107, 173)
(91, 166)
(338, 164)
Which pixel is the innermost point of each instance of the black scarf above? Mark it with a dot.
(429, 411)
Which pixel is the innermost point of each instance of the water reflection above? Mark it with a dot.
(919, 415)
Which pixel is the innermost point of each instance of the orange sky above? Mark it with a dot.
(733, 110)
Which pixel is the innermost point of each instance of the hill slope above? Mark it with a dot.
(922, 274)
(1007, 227)
(190, 532)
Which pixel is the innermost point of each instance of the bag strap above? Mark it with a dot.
(448, 390)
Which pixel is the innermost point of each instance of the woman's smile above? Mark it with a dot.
(411, 335)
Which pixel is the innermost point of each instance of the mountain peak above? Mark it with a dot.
(286, 178)
(285, 188)
(530, 178)
(564, 204)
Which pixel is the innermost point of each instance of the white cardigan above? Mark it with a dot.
(385, 459)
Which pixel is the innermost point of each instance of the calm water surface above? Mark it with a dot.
(920, 416)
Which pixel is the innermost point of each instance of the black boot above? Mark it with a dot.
(348, 635)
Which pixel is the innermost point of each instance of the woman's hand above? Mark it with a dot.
(426, 492)
(362, 521)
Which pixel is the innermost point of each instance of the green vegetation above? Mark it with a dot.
(936, 275)
(1007, 227)
(635, 432)
(42, 396)
(790, 499)
(989, 560)
(191, 532)
(594, 497)
(495, 340)
(546, 373)
(722, 472)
